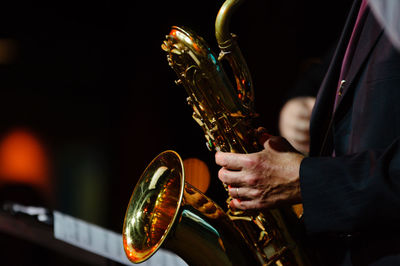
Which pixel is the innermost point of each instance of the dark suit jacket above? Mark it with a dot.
(352, 199)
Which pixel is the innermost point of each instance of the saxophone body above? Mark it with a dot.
(166, 211)
(222, 115)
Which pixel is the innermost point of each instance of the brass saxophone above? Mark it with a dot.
(166, 211)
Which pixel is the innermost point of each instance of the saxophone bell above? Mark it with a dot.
(165, 211)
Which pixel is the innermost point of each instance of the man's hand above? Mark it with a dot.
(294, 122)
(265, 179)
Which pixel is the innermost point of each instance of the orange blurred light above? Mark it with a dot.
(8, 50)
(23, 160)
(197, 173)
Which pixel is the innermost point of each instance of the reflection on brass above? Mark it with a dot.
(164, 210)
(175, 213)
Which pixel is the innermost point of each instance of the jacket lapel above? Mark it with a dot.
(321, 119)
(369, 36)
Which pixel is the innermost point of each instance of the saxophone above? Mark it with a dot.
(166, 211)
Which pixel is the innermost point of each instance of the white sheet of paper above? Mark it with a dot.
(103, 242)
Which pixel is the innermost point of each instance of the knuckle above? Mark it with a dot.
(252, 180)
(248, 162)
(252, 161)
(257, 193)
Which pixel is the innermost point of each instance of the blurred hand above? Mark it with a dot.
(265, 179)
(294, 122)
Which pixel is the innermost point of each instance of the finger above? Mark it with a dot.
(302, 113)
(235, 204)
(231, 178)
(302, 124)
(233, 161)
(299, 136)
(244, 193)
(233, 192)
(310, 102)
(294, 130)
(290, 128)
(278, 144)
(299, 123)
(248, 205)
(297, 109)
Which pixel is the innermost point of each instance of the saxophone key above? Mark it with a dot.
(178, 82)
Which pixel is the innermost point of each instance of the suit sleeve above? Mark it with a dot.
(352, 193)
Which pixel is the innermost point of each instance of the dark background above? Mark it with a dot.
(91, 82)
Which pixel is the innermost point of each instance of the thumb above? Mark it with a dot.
(279, 144)
(262, 135)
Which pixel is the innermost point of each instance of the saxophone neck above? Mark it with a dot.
(222, 32)
(230, 51)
